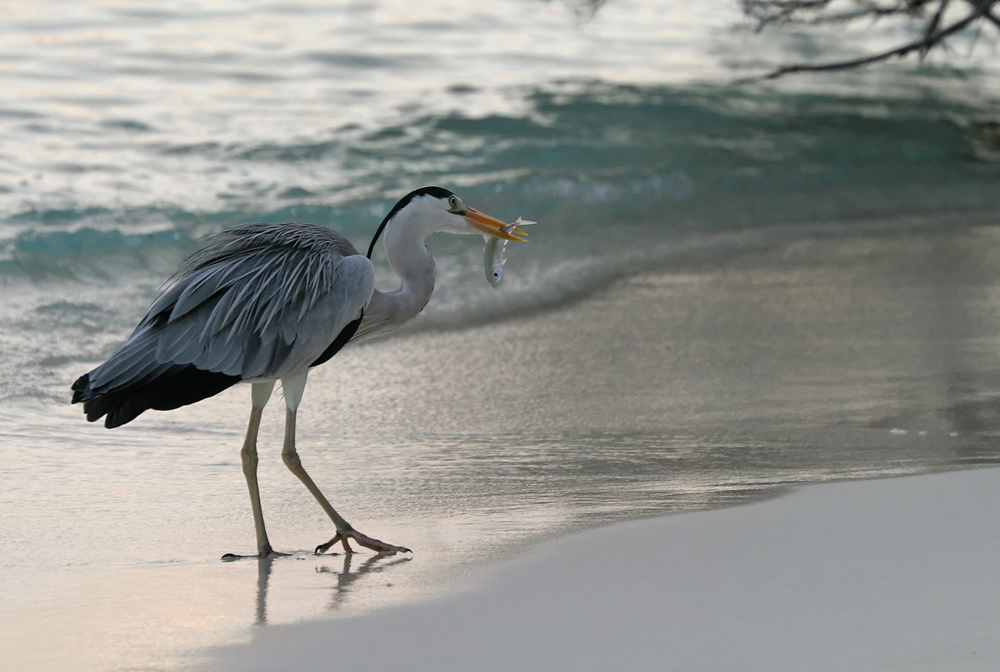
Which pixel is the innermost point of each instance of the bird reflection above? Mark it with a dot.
(345, 578)
(263, 576)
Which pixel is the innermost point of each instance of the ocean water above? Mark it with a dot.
(579, 393)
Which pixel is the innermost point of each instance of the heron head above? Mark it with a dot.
(432, 209)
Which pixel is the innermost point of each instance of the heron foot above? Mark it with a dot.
(363, 540)
(267, 552)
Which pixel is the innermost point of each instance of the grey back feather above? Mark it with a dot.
(260, 301)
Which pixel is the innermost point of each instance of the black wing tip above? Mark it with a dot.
(116, 409)
(178, 386)
(81, 388)
(122, 413)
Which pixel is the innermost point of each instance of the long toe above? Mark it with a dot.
(269, 553)
(363, 540)
(375, 544)
(323, 548)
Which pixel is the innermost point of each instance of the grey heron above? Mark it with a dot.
(267, 302)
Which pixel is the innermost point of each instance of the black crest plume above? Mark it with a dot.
(436, 192)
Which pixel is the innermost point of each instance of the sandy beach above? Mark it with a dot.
(709, 381)
(822, 346)
(877, 575)
(697, 427)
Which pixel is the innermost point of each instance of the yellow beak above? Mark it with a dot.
(491, 226)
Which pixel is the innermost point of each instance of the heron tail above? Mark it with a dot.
(172, 387)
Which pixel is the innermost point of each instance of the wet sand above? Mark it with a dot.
(862, 576)
(712, 381)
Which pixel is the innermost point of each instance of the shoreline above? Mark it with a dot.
(852, 575)
(696, 387)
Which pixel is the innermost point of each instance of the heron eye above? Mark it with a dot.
(453, 202)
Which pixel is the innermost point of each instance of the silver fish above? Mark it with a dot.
(493, 257)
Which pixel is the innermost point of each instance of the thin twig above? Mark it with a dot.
(924, 44)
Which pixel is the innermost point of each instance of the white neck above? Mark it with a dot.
(407, 254)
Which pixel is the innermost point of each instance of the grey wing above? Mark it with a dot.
(260, 313)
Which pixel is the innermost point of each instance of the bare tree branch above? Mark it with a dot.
(815, 12)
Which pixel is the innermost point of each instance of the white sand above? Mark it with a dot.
(873, 575)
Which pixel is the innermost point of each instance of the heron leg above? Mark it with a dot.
(260, 393)
(293, 388)
(344, 530)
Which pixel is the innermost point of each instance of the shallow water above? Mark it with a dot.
(706, 385)
(731, 290)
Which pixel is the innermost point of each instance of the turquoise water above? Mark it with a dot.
(130, 130)
(97, 195)
(615, 172)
